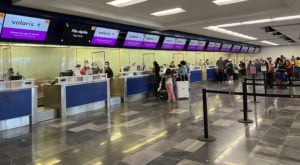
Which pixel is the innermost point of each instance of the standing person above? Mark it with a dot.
(293, 59)
(230, 71)
(297, 67)
(242, 70)
(108, 70)
(221, 67)
(95, 68)
(172, 65)
(169, 86)
(157, 79)
(183, 71)
(269, 73)
(289, 70)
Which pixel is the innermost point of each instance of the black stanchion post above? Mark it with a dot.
(205, 137)
(265, 83)
(245, 105)
(254, 89)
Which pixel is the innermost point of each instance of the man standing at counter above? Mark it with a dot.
(108, 70)
(221, 67)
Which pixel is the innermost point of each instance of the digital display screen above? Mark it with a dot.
(213, 46)
(179, 44)
(257, 50)
(201, 45)
(236, 48)
(251, 50)
(193, 45)
(169, 43)
(226, 47)
(2, 15)
(24, 28)
(244, 49)
(134, 39)
(105, 36)
(78, 33)
(150, 41)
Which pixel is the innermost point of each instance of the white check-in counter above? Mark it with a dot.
(18, 103)
(77, 94)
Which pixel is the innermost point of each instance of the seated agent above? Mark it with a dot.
(9, 73)
(96, 69)
(108, 70)
(76, 70)
(85, 70)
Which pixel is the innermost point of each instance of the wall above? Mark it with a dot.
(274, 52)
(44, 62)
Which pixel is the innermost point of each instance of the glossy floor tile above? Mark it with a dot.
(153, 132)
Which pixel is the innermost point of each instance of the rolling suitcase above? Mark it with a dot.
(183, 89)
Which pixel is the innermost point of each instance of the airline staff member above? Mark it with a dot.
(85, 69)
(108, 70)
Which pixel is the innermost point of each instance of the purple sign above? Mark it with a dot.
(213, 46)
(226, 47)
(1, 20)
(236, 49)
(24, 28)
(257, 50)
(251, 50)
(169, 43)
(105, 36)
(201, 45)
(193, 45)
(244, 49)
(150, 41)
(179, 44)
(134, 39)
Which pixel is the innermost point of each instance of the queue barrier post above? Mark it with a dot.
(205, 137)
(245, 105)
(254, 89)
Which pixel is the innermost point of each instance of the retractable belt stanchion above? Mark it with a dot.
(205, 137)
(245, 92)
(253, 72)
(245, 105)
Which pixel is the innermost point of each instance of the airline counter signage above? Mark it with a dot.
(105, 36)
(179, 44)
(150, 41)
(24, 28)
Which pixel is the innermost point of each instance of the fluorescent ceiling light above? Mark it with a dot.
(228, 32)
(286, 18)
(269, 43)
(124, 3)
(256, 21)
(226, 2)
(168, 12)
(230, 24)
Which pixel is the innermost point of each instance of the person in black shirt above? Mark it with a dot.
(157, 78)
(108, 70)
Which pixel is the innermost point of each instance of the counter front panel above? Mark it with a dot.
(77, 95)
(211, 74)
(139, 85)
(14, 104)
(196, 76)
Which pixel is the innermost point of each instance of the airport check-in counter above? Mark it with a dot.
(211, 73)
(18, 103)
(132, 86)
(195, 76)
(77, 94)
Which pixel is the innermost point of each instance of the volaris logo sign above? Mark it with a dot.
(24, 28)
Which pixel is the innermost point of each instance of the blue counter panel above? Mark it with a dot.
(196, 76)
(139, 85)
(14, 104)
(86, 93)
(211, 74)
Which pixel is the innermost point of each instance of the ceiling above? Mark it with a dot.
(200, 14)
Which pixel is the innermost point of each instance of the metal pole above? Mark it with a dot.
(254, 89)
(205, 137)
(245, 105)
(265, 83)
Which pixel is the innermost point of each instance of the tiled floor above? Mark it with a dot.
(159, 133)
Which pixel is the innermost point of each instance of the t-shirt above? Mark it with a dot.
(169, 81)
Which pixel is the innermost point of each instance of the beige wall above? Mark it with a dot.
(274, 52)
(45, 63)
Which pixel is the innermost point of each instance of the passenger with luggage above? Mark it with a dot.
(169, 85)
(221, 67)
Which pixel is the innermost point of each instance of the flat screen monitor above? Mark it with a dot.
(2, 15)
(226, 47)
(236, 48)
(150, 41)
(66, 73)
(244, 49)
(134, 39)
(193, 45)
(251, 50)
(24, 28)
(78, 34)
(213, 46)
(105, 36)
(257, 50)
(16, 77)
(168, 43)
(179, 44)
(201, 45)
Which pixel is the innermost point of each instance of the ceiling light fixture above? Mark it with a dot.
(230, 25)
(256, 21)
(124, 3)
(228, 32)
(226, 2)
(168, 12)
(269, 43)
(286, 18)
